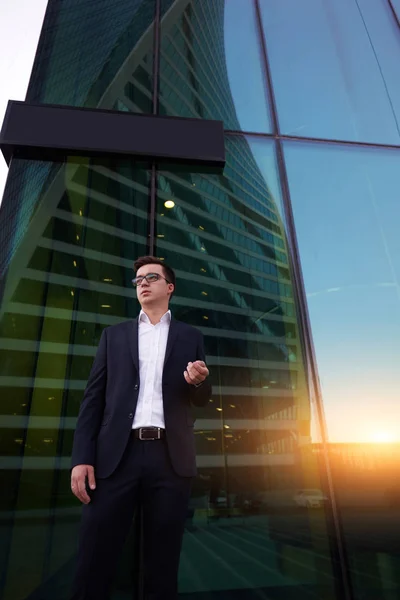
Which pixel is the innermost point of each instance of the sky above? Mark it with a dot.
(21, 21)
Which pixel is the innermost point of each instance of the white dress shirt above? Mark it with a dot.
(152, 346)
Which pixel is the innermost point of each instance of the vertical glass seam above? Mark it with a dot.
(299, 290)
(311, 362)
(156, 75)
(394, 11)
(267, 70)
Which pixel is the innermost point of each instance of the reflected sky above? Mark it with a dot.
(243, 61)
(346, 209)
(337, 74)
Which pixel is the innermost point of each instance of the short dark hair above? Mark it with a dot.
(169, 273)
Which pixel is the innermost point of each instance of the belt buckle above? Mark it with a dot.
(152, 438)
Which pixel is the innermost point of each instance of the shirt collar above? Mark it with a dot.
(143, 318)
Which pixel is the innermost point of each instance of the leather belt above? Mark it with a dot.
(148, 433)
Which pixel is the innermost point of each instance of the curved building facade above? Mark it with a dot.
(268, 516)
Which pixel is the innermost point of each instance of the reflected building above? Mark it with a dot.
(70, 234)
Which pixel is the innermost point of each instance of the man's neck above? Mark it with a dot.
(155, 314)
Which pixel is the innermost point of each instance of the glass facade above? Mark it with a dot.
(287, 261)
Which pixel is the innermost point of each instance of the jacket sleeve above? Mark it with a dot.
(200, 396)
(91, 409)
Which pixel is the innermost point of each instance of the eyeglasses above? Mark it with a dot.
(150, 278)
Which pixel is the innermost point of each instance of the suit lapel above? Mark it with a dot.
(172, 336)
(133, 340)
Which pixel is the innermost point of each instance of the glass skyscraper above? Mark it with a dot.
(287, 259)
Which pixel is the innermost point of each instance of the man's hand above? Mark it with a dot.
(78, 482)
(196, 372)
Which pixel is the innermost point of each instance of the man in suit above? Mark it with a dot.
(134, 440)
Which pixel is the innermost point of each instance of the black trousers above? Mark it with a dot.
(145, 473)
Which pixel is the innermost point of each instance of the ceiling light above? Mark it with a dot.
(169, 204)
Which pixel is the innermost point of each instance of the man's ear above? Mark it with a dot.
(171, 287)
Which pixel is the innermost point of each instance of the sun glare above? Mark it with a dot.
(383, 437)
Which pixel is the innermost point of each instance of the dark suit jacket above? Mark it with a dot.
(109, 403)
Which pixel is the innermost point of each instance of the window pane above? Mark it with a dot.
(347, 214)
(225, 238)
(71, 233)
(205, 72)
(334, 68)
(96, 54)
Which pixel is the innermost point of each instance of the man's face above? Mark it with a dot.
(153, 294)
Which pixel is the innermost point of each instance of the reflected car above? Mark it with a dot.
(310, 498)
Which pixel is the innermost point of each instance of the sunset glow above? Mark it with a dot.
(383, 437)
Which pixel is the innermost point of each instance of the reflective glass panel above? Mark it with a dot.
(258, 522)
(96, 54)
(71, 234)
(211, 63)
(347, 215)
(335, 68)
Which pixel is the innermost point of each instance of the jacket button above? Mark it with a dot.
(131, 415)
(136, 387)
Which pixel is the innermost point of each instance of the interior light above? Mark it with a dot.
(169, 204)
(205, 317)
(204, 293)
(106, 306)
(219, 409)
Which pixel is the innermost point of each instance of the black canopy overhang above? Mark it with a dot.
(53, 132)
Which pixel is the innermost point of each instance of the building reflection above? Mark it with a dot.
(260, 501)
